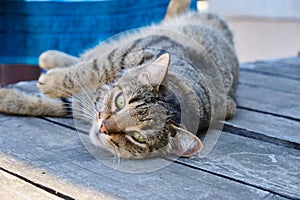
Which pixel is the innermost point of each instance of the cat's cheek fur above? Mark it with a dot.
(98, 139)
(94, 137)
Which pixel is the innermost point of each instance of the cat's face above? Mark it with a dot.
(135, 121)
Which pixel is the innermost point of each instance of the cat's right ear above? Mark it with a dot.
(157, 71)
(185, 143)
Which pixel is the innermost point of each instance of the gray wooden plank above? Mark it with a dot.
(264, 165)
(268, 100)
(274, 197)
(20, 135)
(40, 179)
(12, 187)
(173, 182)
(253, 124)
(25, 86)
(273, 91)
(281, 68)
(57, 150)
(269, 82)
(290, 61)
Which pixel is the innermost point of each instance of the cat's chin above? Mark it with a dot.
(96, 137)
(100, 140)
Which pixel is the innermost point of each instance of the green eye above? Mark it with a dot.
(137, 137)
(120, 101)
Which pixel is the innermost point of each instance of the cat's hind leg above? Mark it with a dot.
(17, 103)
(52, 59)
(230, 107)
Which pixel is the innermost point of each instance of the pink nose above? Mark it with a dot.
(103, 128)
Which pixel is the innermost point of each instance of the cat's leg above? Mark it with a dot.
(15, 102)
(65, 82)
(52, 59)
(230, 107)
(88, 74)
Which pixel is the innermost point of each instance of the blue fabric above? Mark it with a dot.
(27, 28)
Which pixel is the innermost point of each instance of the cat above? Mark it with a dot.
(152, 89)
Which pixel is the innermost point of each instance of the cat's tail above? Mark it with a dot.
(17, 103)
(176, 7)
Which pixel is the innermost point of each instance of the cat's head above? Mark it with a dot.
(140, 118)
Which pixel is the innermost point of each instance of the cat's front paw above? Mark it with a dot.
(52, 84)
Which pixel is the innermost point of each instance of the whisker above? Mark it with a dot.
(120, 160)
(79, 116)
(84, 114)
(81, 109)
(85, 91)
(84, 108)
(87, 101)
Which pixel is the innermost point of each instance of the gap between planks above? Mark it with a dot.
(269, 113)
(37, 185)
(259, 136)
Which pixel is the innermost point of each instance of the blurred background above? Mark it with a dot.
(263, 29)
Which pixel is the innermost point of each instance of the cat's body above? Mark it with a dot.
(153, 88)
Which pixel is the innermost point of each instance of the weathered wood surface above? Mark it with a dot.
(265, 127)
(256, 157)
(14, 188)
(41, 179)
(61, 153)
(246, 160)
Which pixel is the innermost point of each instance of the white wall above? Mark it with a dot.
(257, 8)
(263, 29)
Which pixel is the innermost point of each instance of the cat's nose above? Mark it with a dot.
(103, 128)
(109, 126)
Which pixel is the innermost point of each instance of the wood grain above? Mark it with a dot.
(59, 153)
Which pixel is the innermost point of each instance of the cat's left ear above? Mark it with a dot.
(185, 143)
(157, 71)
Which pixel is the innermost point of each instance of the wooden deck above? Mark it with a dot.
(256, 157)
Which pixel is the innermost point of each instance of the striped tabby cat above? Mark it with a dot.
(152, 89)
